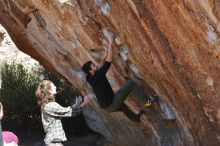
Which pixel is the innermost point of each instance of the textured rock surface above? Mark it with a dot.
(1, 37)
(9, 52)
(171, 48)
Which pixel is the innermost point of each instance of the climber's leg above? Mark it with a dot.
(123, 92)
(130, 114)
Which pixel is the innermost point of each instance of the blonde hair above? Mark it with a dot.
(42, 93)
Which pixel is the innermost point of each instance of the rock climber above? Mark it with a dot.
(107, 99)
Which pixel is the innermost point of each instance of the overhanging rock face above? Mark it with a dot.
(1, 37)
(170, 48)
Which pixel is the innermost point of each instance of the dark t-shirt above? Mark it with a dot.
(101, 86)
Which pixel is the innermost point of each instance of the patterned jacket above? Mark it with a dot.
(51, 114)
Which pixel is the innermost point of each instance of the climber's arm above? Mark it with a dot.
(109, 48)
(108, 51)
(103, 58)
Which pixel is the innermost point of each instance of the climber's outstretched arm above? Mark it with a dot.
(109, 48)
(108, 51)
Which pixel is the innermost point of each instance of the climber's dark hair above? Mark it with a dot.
(86, 67)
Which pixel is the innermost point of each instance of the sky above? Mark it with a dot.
(9, 51)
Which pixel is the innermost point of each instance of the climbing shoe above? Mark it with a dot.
(148, 103)
(150, 100)
(153, 98)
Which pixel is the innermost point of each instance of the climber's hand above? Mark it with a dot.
(110, 39)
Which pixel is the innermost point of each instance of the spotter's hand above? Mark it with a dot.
(77, 102)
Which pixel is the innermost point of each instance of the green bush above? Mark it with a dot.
(17, 91)
(18, 87)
